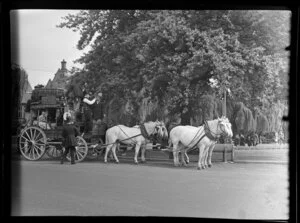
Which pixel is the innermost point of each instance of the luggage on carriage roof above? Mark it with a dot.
(37, 94)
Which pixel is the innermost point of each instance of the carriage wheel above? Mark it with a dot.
(53, 152)
(81, 150)
(32, 143)
(95, 152)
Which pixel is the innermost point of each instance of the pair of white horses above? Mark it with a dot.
(185, 138)
(182, 138)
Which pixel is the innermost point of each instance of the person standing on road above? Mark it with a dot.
(69, 133)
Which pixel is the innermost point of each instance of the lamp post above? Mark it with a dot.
(224, 103)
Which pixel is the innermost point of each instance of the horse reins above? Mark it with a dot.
(210, 133)
(127, 136)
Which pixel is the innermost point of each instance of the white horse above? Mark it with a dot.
(184, 138)
(138, 136)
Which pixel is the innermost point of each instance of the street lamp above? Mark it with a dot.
(225, 90)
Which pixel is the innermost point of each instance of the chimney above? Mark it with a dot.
(63, 65)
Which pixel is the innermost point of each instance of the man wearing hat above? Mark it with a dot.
(69, 133)
(88, 122)
(99, 124)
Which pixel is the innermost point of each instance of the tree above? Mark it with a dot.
(169, 56)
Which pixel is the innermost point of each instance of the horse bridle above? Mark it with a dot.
(152, 134)
(213, 134)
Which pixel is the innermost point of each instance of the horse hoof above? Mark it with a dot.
(117, 162)
(209, 165)
(198, 168)
(136, 163)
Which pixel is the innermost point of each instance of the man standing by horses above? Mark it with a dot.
(69, 133)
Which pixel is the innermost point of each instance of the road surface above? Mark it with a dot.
(235, 191)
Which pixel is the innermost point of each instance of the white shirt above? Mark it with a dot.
(89, 102)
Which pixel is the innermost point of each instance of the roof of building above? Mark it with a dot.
(60, 77)
(27, 94)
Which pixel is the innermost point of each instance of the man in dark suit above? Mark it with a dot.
(69, 134)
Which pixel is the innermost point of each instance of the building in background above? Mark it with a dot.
(60, 77)
(26, 96)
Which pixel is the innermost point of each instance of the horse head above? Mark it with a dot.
(156, 129)
(225, 126)
(161, 130)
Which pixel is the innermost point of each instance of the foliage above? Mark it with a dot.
(164, 61)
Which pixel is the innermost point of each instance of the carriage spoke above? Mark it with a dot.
(79, 154)
(38, 148)
(23, 149)
(25, 138)
(31, 134)
(27, 134)
(31, 152)
(37, 137)
(34, 133)
(34, 150)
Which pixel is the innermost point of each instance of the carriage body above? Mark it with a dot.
(37, 138)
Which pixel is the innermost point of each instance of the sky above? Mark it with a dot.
(39, 46)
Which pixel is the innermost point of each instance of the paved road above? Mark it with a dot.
(237, 191)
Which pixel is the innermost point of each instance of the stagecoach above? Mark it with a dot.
(36, 139)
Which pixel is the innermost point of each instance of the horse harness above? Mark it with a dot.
(207, 133)
(143, 133)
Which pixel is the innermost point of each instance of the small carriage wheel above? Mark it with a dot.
(95, 152)
(81, 150)
(32, 143)
(53, 152)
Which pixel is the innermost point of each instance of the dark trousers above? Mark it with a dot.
(88, 122)
(70, 149)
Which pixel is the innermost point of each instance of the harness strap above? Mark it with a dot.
(208, 132)
(128, 136)
(197, 142)
(144, 131)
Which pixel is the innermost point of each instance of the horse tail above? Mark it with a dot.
(170, 142)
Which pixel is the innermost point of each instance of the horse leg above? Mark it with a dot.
(137, 149)
(187, 159)
(143, 150)
(210, 151)
(114, 153)
(175, 154)
(201, 153)
(106, 152)
(182, 153)
(205, 158)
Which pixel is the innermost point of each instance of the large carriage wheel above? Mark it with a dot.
(81, 150)
(32, 143)
(53, 152)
